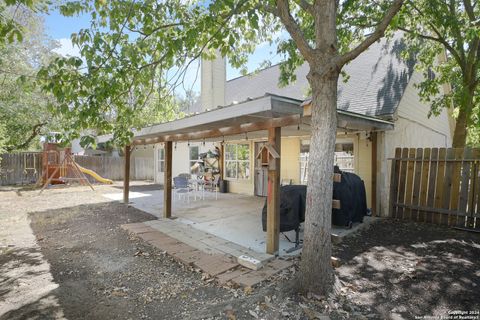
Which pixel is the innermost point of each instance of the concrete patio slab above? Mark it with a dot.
(229, 225)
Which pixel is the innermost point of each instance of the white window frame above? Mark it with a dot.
(237, 161)
(161, 160)
(191, 161)
(303, 158)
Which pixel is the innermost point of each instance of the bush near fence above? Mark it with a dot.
(26, 167)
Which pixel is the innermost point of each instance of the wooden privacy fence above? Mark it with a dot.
(26, 167)
(20, 168)
(436, 185)
(107, 167)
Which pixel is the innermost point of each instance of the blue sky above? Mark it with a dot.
(60, 28)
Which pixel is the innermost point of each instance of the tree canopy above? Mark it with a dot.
(449, 29)
(24, 113)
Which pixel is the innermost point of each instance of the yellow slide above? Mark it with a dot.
(94, 175)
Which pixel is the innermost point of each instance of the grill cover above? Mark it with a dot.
(350, 191)
(292, 207)
(353, 200)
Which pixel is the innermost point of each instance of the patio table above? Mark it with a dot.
(197, 185)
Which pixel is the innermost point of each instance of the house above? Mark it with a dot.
(379, 109)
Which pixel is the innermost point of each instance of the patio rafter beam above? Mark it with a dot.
(224, 131)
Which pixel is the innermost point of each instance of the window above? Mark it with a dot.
(344, 158)
(304, 153)
(161, 160)
(237, 161)
(193, 159)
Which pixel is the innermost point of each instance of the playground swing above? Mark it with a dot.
(29, 171)
(59, 167)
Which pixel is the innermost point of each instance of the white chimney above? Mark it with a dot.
(213, 82)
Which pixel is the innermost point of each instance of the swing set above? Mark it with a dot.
(59, 167)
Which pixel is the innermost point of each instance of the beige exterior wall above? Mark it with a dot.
(413, 129)
(363, 165)
(290, 160)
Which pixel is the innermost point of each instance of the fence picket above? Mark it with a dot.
(422, 215)
(442, 152)
(402, 182)
(466, 175)
(432, 184)
(475, 210)
(409, 187)
(414, 214)
(455, 184)
(394, 182)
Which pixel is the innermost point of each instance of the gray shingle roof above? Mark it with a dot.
(377, 81)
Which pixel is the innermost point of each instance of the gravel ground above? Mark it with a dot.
(64, 255)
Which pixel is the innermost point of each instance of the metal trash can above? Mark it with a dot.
(223, 186)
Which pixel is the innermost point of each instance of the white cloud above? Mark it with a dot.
(67, 48)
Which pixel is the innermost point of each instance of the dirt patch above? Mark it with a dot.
(408, 269)
(104, 274)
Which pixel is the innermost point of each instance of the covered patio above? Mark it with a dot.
(233, 216)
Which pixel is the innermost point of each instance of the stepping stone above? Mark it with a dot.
(215, 264)
(227, 276)
(255, 277)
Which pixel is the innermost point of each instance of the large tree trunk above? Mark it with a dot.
(460, 134)
(316, 271)
(461, 124)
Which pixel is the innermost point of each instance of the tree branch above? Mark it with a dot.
(377, 34)
(35, 132)
(470, 11)
(440, 40)
(305, 5)
(282, 11)
(164, 26)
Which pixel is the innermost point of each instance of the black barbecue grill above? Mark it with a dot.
(353, 205)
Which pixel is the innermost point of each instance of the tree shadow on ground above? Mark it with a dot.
(411, 269)
(103, 273)
(25, 285)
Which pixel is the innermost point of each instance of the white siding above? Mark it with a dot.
(416, 112)
(413, 129)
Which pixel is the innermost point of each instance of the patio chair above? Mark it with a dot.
(212, 185)
(185, 175)
(182, 187)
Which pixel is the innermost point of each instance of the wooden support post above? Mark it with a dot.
(373, 197)
(273, 195)
(222, 160)
(167, 181)
(126, 174)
